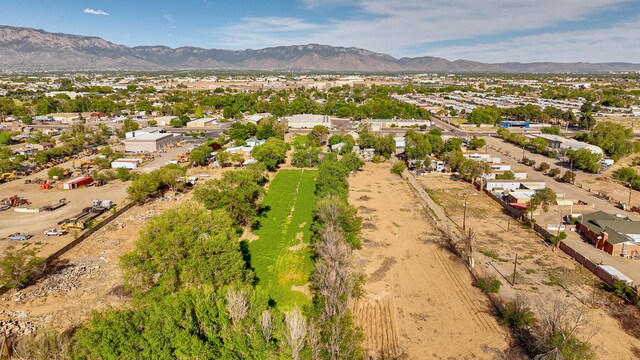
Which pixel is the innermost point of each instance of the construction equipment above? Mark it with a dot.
(80, 221)
(62, 202)
(8, 176)
(15, 201)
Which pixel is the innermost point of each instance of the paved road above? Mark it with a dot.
(570, 191)
(631, 268)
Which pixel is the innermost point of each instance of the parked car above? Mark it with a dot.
(55, 232)
(5, 207)
(20, 236)
(204, 175)
(171, 162)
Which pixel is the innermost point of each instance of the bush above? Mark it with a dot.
(55, 172)
(488, 284)
(554, 172)
(622, 289)
(377, 159)
(518, 316)
(19, 268)
(398, 168)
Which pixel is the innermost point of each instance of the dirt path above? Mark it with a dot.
(418, 297)
(544, 276)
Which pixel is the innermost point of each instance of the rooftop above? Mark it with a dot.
(149, 137)
(619, 229)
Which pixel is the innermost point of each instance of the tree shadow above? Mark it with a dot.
(246, 256)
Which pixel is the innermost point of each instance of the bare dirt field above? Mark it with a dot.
(543, 275)
(419, 300)
(87, 278)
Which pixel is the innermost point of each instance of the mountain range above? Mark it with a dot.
(27, 48)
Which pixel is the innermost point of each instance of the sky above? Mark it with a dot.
(480, 30)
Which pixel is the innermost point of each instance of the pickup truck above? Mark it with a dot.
(55, 232)
(19, 236)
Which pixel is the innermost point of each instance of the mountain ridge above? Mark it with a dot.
(22, 47)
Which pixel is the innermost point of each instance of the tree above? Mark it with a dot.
(184, 247)
(538, 144)
(484, 115)
(398, 168)
(306, 157)
(507, 175)
(175, 123)
(569, 177)
(18, 268)
(587, 121)
(477, 143)
(129, 125)
(237, 192)
(239, 131)
(553, 130)
(318, 135)
(615, 139)
(296, 331)
(542, 197)
(585, 160)
(385, 146)
(417, 146)
(352, 162)
(199, 114)
(152, 123)
(503, 133)
(544, 167)
(55, 172)
(200, 155)
(271, 153)
(452, 144)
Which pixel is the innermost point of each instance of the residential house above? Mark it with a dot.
(613, 234)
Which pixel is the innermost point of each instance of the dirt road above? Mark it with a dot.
(418, 297)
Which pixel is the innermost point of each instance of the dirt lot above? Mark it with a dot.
(418, 298)
(87, 278)
(543, 275)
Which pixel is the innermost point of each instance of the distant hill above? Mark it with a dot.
(38, 49)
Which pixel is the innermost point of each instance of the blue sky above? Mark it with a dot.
(482, 30)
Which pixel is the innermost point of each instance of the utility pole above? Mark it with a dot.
(509, 224)
(629, 202)
(464, 214)
(523, 153)
(593, 297)
(515, 267)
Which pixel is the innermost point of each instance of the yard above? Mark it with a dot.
(280, 255)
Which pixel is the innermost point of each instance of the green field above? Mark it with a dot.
(286, 223)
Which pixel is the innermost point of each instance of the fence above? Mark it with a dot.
(581, 259)
(81, 238)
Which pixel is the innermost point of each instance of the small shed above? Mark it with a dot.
(126, 163)
(75, 182)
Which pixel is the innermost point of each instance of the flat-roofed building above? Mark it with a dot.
(308, 121)
(151, 142)
(126, 163)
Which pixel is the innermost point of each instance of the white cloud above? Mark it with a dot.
(400, 26)
(620, 42)
(95, 12)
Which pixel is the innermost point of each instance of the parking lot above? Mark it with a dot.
(36, 223)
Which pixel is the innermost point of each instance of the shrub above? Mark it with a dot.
(554, 172)
(377, 159)
(518, 316)
(488, 284)
(19, 268)
(398, 168)
(622, 289)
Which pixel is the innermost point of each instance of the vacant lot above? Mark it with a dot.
(418, 301)
(280, 255)
(543, 275)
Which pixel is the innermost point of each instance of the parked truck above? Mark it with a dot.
(79, 222)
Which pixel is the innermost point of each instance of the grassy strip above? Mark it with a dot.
(289, 213)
